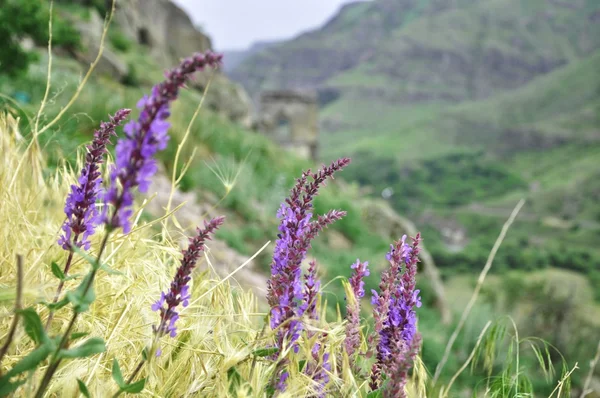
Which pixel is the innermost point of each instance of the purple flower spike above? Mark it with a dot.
(285, 291)
(395, 319)
(286, 295)
(352, 342)
(135, 164)
(179, 292)
(319, 370)
(80, 206)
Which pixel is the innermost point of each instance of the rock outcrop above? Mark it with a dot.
(167, 34)
(164, 28)
(90, 31)
(290, 118)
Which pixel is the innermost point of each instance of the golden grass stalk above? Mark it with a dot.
(590, 375)
(445, 390)
(478, 287)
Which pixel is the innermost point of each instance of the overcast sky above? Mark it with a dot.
(235, 24)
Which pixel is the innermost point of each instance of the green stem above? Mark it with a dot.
(55, 362)
(140, 364)
(18, 305)
(60, 286)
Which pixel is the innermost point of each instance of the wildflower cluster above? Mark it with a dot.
(135, 165)
(287, 296)
(291, 300)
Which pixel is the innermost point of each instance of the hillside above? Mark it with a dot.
(458, 109)
(230, 169)
(233, 58)
(411, 51)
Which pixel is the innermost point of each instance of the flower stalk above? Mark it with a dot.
(395, 319)
(134, 167)
(286, 295)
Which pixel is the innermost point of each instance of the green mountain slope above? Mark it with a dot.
(456, 110)
(422, 50)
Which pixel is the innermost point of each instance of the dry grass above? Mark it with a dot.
(219, 330)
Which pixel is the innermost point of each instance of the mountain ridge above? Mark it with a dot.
(459, 105)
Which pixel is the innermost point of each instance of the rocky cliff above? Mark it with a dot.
(163, 30)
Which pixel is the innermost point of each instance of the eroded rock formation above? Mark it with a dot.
(290, 117)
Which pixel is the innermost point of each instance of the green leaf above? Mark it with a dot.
(270, 391)
(90, 259)
(81, 302)
(92, 346)
(57, 271)
(235, 380)
(33, 325)
(375, 394)
(94, 262)
(116, 374)
(301, 365)
(7, 387)
(78, 335)
(109, 270)
(265, 352)
(56, 306)
(145, 353)
(29, 362)
(74, 276)
(134, 388)
(83, 389)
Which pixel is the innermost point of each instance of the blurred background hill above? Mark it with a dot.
(452, 110)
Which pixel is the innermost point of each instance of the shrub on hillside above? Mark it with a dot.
(20, 19)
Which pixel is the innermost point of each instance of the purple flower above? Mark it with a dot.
(80, 206)
(311, 289)
(285, 291)
(135, 164)
(282, 380)
(179, 291)
(357, 284)
(287, 296)
(361, 270)
(395, 318)
(318, 370)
